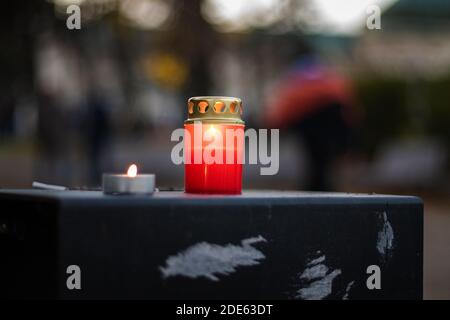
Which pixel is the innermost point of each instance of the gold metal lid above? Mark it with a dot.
(215, 109)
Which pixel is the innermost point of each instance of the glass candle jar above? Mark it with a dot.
(214, 142)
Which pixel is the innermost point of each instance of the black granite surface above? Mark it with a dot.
(271, 244)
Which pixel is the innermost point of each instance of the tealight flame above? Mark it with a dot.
(132, 171)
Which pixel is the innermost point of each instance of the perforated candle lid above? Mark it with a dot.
(215, 109)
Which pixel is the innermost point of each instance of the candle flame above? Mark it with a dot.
(132, 171)
(213, 131)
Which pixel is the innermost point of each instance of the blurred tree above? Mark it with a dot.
(193, 39)
(19, 23)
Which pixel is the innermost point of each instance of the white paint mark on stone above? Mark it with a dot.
(318, 279)
(210, 260)
(385, 241)
(317, 260)
(314, 272)
(320, 289)
(347, 290)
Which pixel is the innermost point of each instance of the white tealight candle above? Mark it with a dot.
(130, 183)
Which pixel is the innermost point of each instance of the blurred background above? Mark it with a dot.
(359, 110)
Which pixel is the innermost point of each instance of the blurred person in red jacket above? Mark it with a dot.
(317, 103)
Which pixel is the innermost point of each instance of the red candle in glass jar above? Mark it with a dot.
(214, 141)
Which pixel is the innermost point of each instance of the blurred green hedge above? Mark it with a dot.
(395, 108)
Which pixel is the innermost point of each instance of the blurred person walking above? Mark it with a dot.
(60, 95)
(317, 104)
